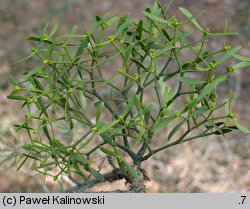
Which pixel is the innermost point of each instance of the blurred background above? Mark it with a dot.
(215, 164)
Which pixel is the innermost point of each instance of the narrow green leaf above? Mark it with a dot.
(28, 147)
(242, 58)
(108, 152)
(204, 92)
(155, 18)
(33, 72)
(128, 107)
(100, 21)
(241, 65)
(34, 38)
(175, 129)
(223, 34)
(45, 29)
(189, 80)
(124, 26)
(166, 35)
(79, 159)
(96, 174)
(107, 126)
(22, 163)
(87, 142)
(139, 137)
(17, 97)
(162, 51)
(200, 111)
(191, 17)
(162, 123)
(113, 20)
(117, 130)
(139, 29)
(13, 81)
(106, 138)
(127, 53)
(138, 63)
(170, 75)
(148, 109)
(155, 8)
(241, 127)
(45, 129)
(138, 105)
(167, 95)
(131, 170)
(223, 131)
(144, 48)
(83, 46)
(162, 10)
(53, 31)
(227, 55)
(99, 111)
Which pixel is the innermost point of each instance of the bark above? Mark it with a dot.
(136, 185)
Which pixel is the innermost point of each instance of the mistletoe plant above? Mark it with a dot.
(120, 83)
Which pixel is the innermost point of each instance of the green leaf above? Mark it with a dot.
(148, 109)
(139, 29)
(17, 97)
(138, 105)
(33, 72)
(87, 142)
(223, 34)
(108, 152)
(127, 53)
(242, 58)
(241, 65)
(162, 123)
(166, 35)
(223, 131)
(138, 63)
(144, 48)
(45, 129)
(83, 46)
(22, 163)
(45, 28)
(189, 80)
(28, 147)
(128, 107)
(124, 26)
(96, 174)
(227, 55)
(191, 17)
(155, 18)
(161, 9)
(131, 170)
(200, 111)
(204, 92)
(167, 95)
(165, 49)
(107, 126)
(241, 127)
(175, 129)
(100, 21)
(170, 75)
(99, 111)
(53, 31)
(79, 159)
(13, 81)
(139, 136)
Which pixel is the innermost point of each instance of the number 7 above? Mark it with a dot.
(244, 197)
